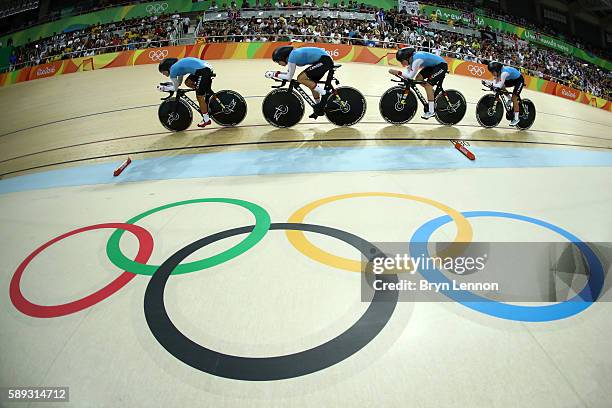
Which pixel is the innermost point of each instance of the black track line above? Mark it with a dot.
(75, 117)
(263, 124)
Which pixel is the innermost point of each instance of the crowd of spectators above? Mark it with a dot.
(522, 22)
(387, 29)
(145, 32)
(396, 29)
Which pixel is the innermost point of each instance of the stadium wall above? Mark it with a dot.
(214, 51)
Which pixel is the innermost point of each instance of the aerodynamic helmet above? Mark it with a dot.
(282, 53)
(165, 65)
(404, 54)
(495, 66)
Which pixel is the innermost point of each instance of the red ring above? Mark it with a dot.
(145, 249)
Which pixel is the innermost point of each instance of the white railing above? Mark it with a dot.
(93, 51)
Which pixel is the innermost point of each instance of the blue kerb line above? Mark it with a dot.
(299, 160)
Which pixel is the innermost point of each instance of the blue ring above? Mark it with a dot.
(562, 310)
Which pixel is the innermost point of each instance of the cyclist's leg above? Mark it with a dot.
(516, 92)
(422, 76)
(203, 87)
(311, 75)
(302, 78)
(436, 79)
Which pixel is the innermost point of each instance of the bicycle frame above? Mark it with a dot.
(502, 96)
(411, 84)
(295, 84)
(181, 94)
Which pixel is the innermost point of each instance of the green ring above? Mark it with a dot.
(262, 225)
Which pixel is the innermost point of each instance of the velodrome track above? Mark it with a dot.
(61, 138)
(106, 114)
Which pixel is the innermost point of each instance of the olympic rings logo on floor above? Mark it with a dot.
(157, 8)
(476, 70)
(158, 55)
(363, 331)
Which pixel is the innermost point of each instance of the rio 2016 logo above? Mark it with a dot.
(158, 55)
(280, 111)
(335, 53)
(157, 8)
(172, 117)
(476, 70)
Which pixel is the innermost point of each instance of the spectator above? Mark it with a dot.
(186, 23)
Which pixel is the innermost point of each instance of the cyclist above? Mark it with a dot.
(507, 76)
(319, 64)
(200, 78)
(423, 66)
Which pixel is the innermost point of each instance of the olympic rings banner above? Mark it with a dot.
(213, 51)
(382, 303)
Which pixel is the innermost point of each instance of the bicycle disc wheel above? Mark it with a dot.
(396, 109)
(227, 108)
(346, 107)
(527, 114)
(282, 108)
(175, 114)
(450, 114)
(489, 111)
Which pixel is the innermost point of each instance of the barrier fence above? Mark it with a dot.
(249, 50)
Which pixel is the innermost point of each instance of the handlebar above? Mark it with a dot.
(282, 83)
(407, 81)
(179, 92)
(490, 87)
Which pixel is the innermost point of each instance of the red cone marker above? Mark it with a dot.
(120, 169)
(461, 147)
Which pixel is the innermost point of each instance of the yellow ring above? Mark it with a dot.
(301, 243)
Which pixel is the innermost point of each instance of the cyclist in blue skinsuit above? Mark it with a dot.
(200, 78)
(318, 59)
(423, 65)
(508, 76)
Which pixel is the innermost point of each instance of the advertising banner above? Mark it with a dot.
(411, 7)
(445, 14)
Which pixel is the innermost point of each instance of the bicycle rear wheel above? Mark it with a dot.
(346, 107)
(527, 114)
(227, 108)
(450, 114)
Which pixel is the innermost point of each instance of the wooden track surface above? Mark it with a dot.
(107, 114)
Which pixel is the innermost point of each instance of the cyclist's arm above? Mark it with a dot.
(414, 69)
(287, 76)
(502, 80)
(176, 81)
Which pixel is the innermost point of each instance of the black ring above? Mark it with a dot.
(304, 362)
